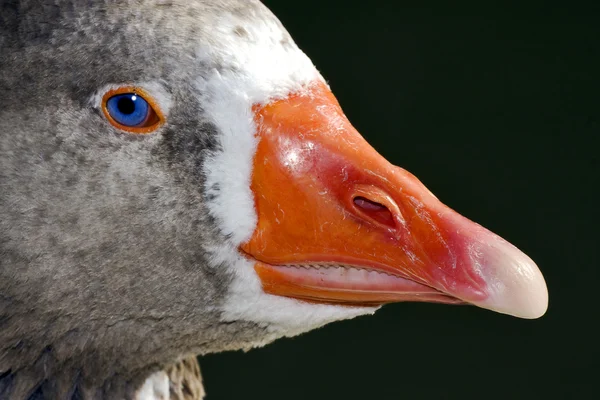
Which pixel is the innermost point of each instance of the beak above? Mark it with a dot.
(337, 223)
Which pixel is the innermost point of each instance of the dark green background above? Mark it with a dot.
(496, 110)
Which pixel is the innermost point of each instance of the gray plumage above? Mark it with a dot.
(102, 234)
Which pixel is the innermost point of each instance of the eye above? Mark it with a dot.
(132, 110)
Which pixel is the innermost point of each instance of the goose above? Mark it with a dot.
(177, 179)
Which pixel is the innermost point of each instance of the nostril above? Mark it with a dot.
(375, 211)
(369, 205)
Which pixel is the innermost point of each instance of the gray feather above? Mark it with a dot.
(103, 268)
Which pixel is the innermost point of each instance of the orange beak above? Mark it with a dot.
(337, 223)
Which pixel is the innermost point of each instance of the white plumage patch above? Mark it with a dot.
(259, 69)
(155, 387)
(263, 64)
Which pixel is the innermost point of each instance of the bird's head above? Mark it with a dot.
(170, 168)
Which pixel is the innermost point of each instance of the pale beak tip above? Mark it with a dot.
(516, 285)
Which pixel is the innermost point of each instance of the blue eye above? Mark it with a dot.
(131, 110)
(128, 109)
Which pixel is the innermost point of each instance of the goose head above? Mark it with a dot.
(178, 178)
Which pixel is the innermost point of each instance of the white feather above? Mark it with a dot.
(265, 70)
(155, 387)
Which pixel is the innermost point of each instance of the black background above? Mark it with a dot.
(496, 109)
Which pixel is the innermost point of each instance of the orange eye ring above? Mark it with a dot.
(152, 119)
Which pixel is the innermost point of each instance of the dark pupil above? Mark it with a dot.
(126, 105)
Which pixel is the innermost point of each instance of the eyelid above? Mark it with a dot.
(139, 92)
